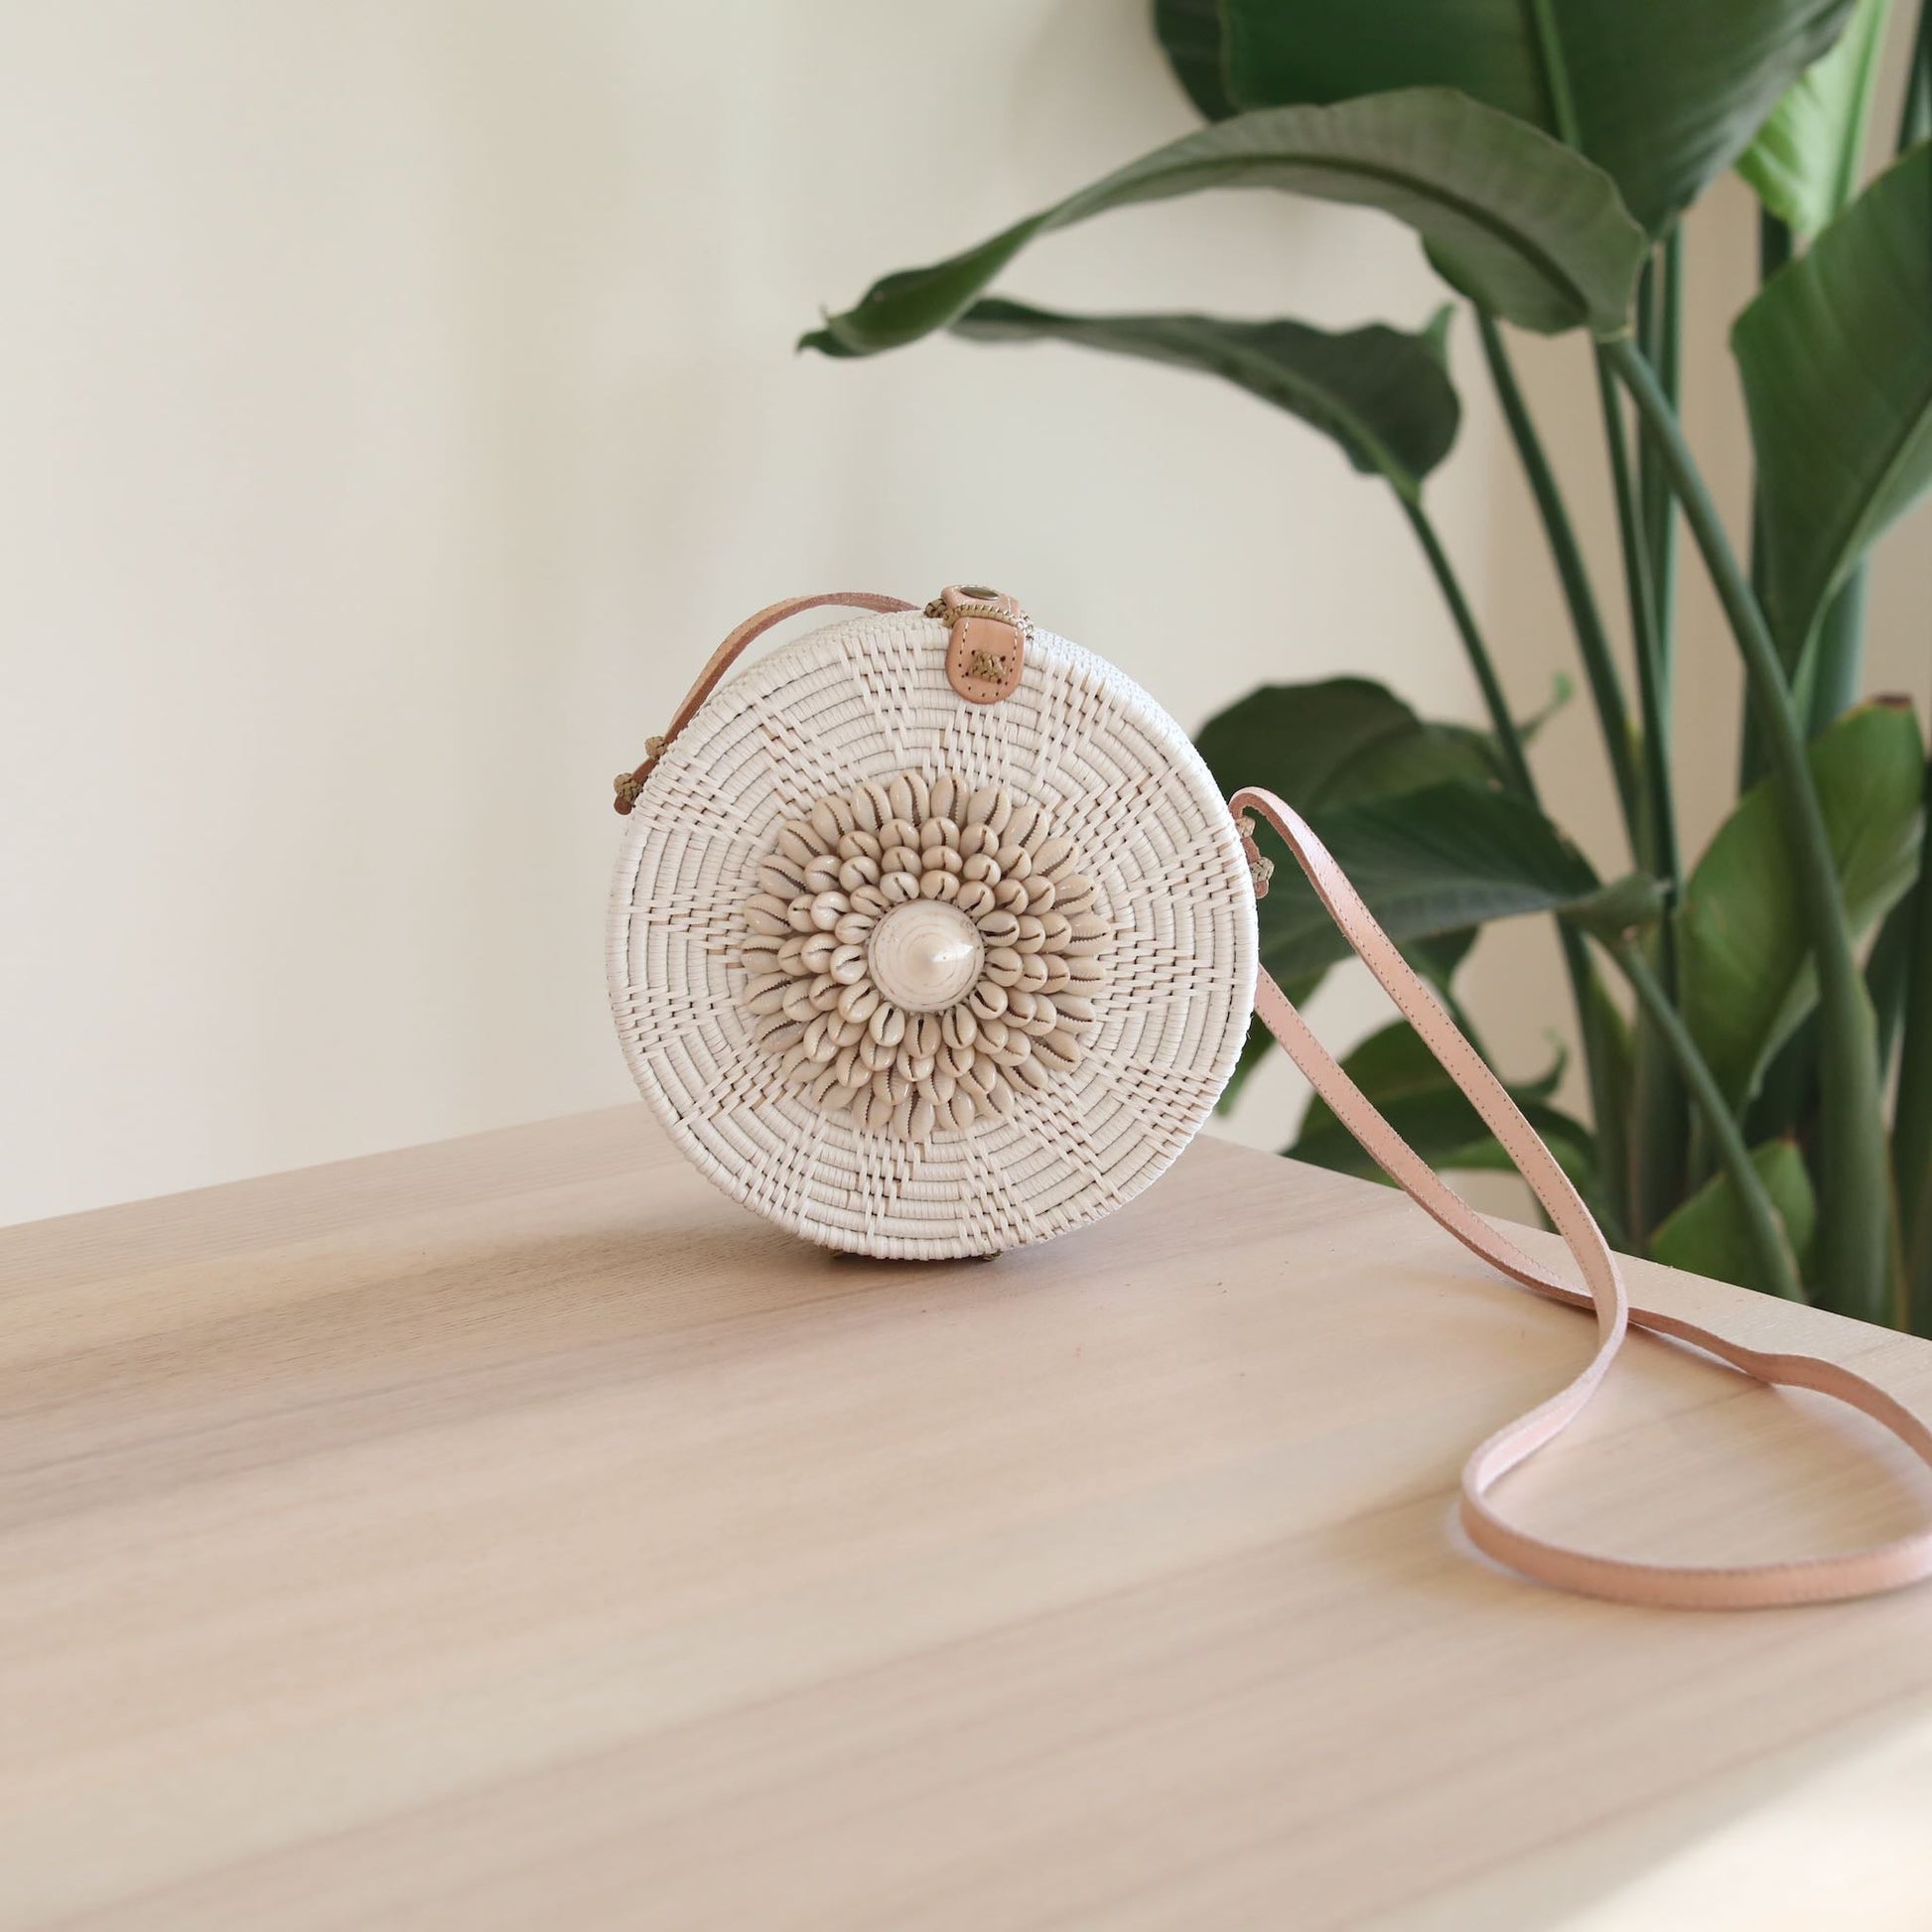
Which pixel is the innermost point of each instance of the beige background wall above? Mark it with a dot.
(399, 402)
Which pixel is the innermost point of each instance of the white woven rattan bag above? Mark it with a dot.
(925, 977)
(932, 937)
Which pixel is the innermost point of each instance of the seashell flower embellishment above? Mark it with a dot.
(920, 954)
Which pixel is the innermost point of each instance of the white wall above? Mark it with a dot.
(399, 402)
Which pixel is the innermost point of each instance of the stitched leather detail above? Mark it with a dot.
(984, 659)
(986, 654)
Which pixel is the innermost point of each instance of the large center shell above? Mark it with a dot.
(924, 955)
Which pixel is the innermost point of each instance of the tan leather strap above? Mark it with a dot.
(629, 783)
(1860, 1573)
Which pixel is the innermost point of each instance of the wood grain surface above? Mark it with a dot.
(513, 1533)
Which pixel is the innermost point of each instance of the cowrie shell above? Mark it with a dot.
(1012, 1012)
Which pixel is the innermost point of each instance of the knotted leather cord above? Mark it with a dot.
(1811, 1580)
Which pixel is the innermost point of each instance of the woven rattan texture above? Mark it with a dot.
(866, 699)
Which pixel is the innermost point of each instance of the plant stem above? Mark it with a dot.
(1508, 739)
(1576, 955)
(1606, 1056)
(1659, 508)
(1592, 642)
(1853, 1247)
(1650, 309)
(1660, 1151)
(1660, 1170)
(1658, 1174)
(1773, 251)
(1659, 847)
(1911, 1139)
(1555, 71)
(1608, 1118)
(1770, 1244)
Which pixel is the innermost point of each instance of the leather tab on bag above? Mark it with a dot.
(987, 652)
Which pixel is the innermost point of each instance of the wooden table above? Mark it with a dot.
(513, 1533)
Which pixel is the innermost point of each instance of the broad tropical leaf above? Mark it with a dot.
(1888, 966)
(1405, 1080)
(1562, 690)
(1743, 956)
(1707, 1236)
(1529, 229)
(1191, 30)
(1665, 101)
(1804, 161)
(1384, 396)
(1432, 862)
(1336, 742)
(1835, 354)
(1786, 1101)
(1438, 957)
(1332, 742)
(1435, 959)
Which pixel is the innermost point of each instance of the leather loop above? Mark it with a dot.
(1859, 1572)
(629, 783)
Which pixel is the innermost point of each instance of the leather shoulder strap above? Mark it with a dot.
(1859, 1572)
(629, 783)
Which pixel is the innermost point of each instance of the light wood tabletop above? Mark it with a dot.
(513, 1533)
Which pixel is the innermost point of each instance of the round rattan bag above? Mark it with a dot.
(931, 935)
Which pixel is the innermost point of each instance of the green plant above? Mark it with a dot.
(1544, 152)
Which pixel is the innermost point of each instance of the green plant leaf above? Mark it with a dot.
(1744, 966)
(1664, 101)
(1888, 966)
(1707, 1234)
(1190, 32)
(1435, 959)
(1384, 396)
(1835, 354)
(1531, 232)
(1562, 690)
(1786, 1100)
(1615, 1049)
(1805, 160)
(1339, 741)
(1336, 742)
(1406, 1082)
(1432, 862)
